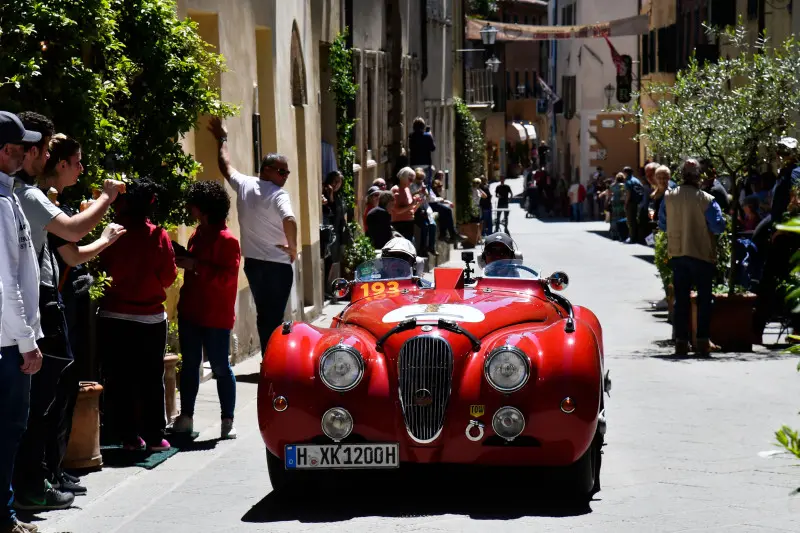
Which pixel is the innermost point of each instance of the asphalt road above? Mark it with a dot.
(683, 444)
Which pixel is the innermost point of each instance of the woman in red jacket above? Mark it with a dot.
(206, 308)
(132, 323)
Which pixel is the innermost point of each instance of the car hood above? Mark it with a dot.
(479, 312)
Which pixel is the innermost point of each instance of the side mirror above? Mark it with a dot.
(558, 281)
(340, 287)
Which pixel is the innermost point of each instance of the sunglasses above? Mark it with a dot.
(282, 171)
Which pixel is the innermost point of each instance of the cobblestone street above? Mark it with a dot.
(682, 453)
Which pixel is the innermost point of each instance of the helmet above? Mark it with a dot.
(400, 248)
(502, 242)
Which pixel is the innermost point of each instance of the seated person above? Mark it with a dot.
(498, 247)
(402, 248)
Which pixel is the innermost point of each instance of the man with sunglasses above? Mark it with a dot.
(268, 232)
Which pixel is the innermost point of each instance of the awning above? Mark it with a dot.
(516, 133)
(531, 131)
(506, 31)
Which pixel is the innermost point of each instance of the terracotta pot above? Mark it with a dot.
(731, 321)
(472, 230)
(83, 449)
(170, 385)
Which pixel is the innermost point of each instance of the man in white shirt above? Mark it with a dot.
(268, 232)
(19, 354)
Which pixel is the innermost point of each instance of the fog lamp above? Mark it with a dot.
(337, 423)
(508, 422)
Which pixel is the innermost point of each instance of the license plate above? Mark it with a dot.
(307, 456)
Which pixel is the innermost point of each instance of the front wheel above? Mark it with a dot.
(583, 476)
(278, 475)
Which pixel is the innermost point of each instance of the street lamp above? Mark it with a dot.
(609, 90)
(520, 90)
(493, 64)
(488, 34)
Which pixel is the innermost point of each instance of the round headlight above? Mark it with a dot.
(341, 367)
(508, 422)
(507, 369)
(337, 423)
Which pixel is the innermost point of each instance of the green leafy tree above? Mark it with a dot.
(344, 91)
(482, 9)
(127, 78)
(732, 111)
(469, 163)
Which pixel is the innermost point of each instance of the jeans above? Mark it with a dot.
(29, 470)
(133, 369)
(632, 217)
(577, 212)
(59, 421)
(271, 286)
(688, 272)
(497, 222)
(15, 390)
(216, 342)
(446, 223)
(486, 217)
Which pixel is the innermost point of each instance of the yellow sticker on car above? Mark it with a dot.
(477, 410)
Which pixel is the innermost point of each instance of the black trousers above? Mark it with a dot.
(59, 421)
(271, 286)
(29, 468)
(132, 356)
(405, 228)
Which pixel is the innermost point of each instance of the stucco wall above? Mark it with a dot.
(267, 60)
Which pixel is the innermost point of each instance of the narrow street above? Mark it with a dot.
(682, 448)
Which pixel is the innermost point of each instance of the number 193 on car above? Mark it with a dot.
(305, 456)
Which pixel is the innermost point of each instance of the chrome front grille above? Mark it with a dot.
(425, 374)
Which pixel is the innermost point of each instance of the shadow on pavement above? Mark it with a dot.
(649, 258)
(248, 378)
(423, 496)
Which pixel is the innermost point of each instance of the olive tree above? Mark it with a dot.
(732, 111)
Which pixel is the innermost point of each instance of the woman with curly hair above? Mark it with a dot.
(132, 323)
(206, 309)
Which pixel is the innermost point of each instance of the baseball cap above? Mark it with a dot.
(13, 132)
(372, 190)
(499, 238)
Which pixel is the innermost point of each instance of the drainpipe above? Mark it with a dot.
(639, 77)
(551, 79)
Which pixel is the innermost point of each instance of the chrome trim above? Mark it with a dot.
(494, 417)
(341, 348)
(322, 426)
(507, 348)
(425, 362)
(562, 406)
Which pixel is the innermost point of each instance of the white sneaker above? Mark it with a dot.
(183, 424)
(227, 431)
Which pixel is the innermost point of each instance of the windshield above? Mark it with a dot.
(509, 268)
(383, 268)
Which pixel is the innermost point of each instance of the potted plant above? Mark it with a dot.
(469, 165)
(359, 250)
(661, 259)
(172, 360)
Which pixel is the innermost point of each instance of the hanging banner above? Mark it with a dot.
(509, 32)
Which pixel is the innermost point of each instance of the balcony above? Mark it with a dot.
(479, 90)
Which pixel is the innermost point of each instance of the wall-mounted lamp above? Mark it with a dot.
(609, 91)
(493, 64)
(488, 34)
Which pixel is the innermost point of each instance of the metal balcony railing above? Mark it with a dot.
(479, 87)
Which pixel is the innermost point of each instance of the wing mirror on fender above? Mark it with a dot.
(558, 281)
(340, 287)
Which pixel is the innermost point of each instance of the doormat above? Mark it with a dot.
(116, 457)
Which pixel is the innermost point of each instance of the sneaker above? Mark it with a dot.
(50, 500)
(183, 424)
(134, 446)
(66, 485)
(18, 527)
(227, 431)
(70, 477)
(161, 446)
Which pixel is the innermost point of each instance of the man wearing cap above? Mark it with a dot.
(373, 194)
(19, 354)
(691, 217)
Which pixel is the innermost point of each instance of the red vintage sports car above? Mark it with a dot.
(495, 370)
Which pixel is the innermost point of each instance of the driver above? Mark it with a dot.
(402, 248)
(497, 247)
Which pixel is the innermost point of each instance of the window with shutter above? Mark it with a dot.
(652, 52)
(752, 9)
(645, 55)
